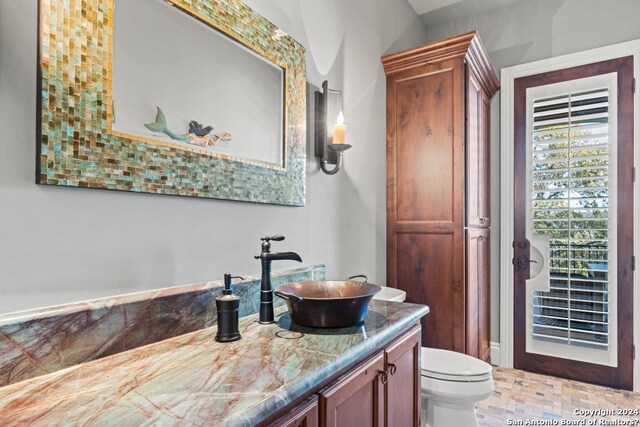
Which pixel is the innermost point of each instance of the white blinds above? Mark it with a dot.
(570, 204)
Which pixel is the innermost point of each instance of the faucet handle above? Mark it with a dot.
(276, 238)
(266, 243)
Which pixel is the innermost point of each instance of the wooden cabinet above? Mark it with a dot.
(403, 389)
(356, 399)
(438, 109)
(305, 415)
(385, 391)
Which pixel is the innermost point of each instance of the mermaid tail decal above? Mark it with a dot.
(160, 125)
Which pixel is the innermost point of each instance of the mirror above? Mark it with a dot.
(165, 58)
(197, 98)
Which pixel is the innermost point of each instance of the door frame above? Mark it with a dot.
(508, 75)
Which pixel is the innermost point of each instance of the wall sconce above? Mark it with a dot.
(330, 148)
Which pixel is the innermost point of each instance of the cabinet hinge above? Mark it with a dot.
(633, 174)
(633, 86)
(633, 263)
(633, 352)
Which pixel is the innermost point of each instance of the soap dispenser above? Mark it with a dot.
(228, 305)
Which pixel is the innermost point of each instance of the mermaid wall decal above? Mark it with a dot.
(197, 135)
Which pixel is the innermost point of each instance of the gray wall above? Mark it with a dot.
(528, 31)
(59, 244)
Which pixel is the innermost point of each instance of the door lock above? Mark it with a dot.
(522, 244)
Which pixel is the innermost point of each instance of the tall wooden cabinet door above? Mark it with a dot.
(484, 296)
(477, 295)
(477, 154)
(357, 399)
(425, 195)
(485, 171)
(403, 385)
(473, 278)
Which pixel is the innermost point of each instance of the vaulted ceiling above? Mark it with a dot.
(434, 12)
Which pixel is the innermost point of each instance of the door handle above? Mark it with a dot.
(523, 262)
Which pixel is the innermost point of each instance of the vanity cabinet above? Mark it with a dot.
(384, 390)
(357, 398)
(403, 388)
(438, 117)
(305, 415)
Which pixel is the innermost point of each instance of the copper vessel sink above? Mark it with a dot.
(328, 304)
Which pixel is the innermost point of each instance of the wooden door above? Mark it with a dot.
(305, 415)
(573, 223)
(403, 389)
(425, 200)
(357, 399)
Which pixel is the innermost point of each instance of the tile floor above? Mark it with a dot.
(522, 396)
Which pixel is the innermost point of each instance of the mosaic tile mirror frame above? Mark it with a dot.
(78, 147)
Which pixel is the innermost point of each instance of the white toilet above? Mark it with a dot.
(452, 383)
(390, 294)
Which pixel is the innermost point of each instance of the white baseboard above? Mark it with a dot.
(495, 353)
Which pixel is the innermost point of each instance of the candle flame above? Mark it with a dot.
(340, 118)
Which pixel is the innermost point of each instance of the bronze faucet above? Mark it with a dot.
(266, 292)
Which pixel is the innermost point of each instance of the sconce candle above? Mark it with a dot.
(340, 130)
(329, 150)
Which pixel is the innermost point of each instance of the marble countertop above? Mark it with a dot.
(193, 380)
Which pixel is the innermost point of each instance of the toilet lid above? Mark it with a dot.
(390, 294)
(453, 366)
